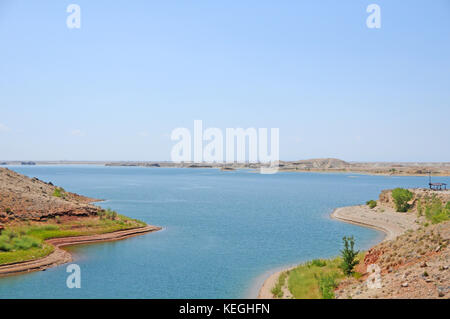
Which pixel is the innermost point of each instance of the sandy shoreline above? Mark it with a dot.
(60, 256)
(390, 222)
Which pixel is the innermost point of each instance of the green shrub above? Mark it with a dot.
(277, 291)
(327, 284)
(26, 242)
(401, 198)
(107, 214)
(11, 241)
(5, 245)
(434, 210)
(59, 192)
(371, 203)
(349, 255)
(318, 263)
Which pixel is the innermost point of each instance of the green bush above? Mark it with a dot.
(11, 241)
(5, 245)
(327, 284)
(318, 263)
(436, 212)
(277, 291)
(401, 198)
(59, 192)
(26, 242)
(433, 209)
(371, 203)
(107, 214)
(349, 255)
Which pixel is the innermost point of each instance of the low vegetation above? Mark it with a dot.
(433, 209)
(59, 192)
(327, 284)
(277, 291)
(401, 198)
(371, 203)
(316, 279)
(22, 241)
(11, 240)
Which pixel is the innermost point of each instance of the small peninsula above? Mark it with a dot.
(37, 218)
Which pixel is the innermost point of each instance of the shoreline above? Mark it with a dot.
(391, 223)
(356, 170)
(60, 256)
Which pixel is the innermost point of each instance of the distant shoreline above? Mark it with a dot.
(328, 165)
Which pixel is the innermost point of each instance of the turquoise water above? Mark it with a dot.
(222, 230)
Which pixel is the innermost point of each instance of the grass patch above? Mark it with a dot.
(319, 262)
(317, 279)
(277, 291)
(433, 209)
(11, 240)
(24, 241)
(59, 192)
(25, 255)
(305, 280)
(327, 284)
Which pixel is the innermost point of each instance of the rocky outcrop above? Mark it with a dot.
(24, 198)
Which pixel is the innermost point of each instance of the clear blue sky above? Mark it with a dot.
(117, 87)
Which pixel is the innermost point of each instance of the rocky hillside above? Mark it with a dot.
(24, 198)
(414, 265)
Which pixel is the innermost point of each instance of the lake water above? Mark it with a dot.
(223, 231)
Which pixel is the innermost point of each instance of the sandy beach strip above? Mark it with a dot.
(390, 222)
(60, 256)
(269, 283)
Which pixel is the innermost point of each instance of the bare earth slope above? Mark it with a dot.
(414, 265)
(414, 258)
(24, 198)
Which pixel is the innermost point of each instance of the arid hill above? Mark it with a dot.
(413, 265)
(24, 198)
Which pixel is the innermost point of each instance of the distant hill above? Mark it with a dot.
(321, 163)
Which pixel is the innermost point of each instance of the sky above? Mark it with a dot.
(115, 88)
